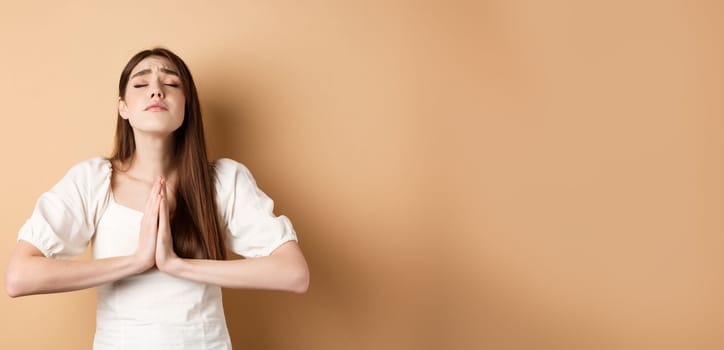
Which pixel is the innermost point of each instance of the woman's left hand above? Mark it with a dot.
(165, 254)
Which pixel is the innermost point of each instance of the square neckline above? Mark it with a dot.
(124, 207)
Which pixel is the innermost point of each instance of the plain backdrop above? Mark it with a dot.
(461, 174)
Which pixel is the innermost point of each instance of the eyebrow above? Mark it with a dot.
(147, 71)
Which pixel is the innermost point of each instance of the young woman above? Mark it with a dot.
(160, 218)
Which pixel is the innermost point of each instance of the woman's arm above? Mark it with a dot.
(284, 269)
(30, 272)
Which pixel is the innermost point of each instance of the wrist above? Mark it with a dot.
(139, 264)
(171, 265)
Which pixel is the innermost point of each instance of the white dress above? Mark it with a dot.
(152, 310)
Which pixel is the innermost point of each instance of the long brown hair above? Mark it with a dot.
(194, 225)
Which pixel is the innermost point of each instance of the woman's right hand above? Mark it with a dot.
(145, 254)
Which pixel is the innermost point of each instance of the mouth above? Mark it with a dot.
(156, 107)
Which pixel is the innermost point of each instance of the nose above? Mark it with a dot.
(156, 90)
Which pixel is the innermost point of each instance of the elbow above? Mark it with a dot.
(300, 280)
(18, 282)
(12, 292)
(13, 284)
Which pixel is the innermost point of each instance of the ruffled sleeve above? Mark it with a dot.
(247, 213)
(64, 219)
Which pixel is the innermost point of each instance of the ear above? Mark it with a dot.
(122, 108)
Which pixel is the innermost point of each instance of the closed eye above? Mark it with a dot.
(172, 85)
(139, 85)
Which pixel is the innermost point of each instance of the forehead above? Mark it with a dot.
(154, 63)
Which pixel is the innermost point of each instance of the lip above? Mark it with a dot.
(156, 107)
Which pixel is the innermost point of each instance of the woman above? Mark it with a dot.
(159, 217)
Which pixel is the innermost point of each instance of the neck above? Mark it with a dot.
(153, 157)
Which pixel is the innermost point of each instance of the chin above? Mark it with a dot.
(155, 126)
(156, 129)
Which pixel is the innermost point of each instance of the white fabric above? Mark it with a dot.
(152, 310)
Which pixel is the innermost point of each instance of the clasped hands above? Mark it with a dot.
(155, 244)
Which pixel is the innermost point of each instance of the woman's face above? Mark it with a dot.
(154, 101)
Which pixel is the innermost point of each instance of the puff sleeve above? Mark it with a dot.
(65, 217)
(247, 213)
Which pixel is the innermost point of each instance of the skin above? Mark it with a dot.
(143, 185)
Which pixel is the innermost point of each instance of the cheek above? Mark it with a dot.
(132, 101)
(180, 108)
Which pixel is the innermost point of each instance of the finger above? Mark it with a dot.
(152, 212)
(156, 205)
(152, 200)
(163, 223)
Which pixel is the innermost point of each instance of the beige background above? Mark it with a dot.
(462, 175)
